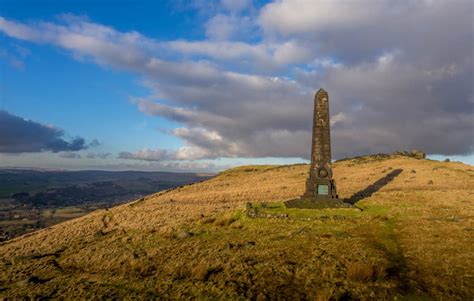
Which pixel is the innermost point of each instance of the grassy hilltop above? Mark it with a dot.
(413, 238)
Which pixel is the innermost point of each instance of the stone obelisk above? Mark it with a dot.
(320, 186)
(320, 183)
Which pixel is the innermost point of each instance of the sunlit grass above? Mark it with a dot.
(410, 239)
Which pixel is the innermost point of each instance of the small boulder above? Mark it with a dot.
(184, 234)
(245, 245)
(203, 271)
(418, 154)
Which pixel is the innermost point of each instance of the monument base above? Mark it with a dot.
(308, 202)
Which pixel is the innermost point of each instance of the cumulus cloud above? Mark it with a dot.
(289, 17)
(70, 155)
(148, 155)
(221, 27)
(399, 76)
(392, 103)
(98, 155)
(18, 135)
(359, 31)
(86, 40)
(263, 58)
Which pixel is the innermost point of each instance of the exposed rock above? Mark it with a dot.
(454, 218)
(237, 225)
(106, 220)
(184, 234)
(30, 280)
(418, 154)
(248, 244)
(240, 245)
(203, 271)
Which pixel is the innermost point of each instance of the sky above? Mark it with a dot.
(206, 85)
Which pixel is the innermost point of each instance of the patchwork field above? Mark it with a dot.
(35, 199)
(410, 237)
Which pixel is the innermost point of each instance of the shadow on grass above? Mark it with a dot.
(374, 187)
(387, 242)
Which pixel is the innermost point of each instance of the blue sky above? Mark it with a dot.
(205, 85)
(78, 96)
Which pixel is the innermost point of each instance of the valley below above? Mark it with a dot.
(32, 199)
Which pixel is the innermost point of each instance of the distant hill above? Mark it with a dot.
(412, 238)
(13, 181)
(34, 199)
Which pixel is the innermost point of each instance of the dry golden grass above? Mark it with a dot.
(360, 271)
(413, 239)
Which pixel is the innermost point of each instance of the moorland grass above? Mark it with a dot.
(412, 239)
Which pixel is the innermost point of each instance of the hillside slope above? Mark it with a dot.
(414, 237)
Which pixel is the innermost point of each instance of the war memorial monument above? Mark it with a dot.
(320, 186)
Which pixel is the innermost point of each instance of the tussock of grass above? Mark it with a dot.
(411, 239)
(225, 220)
(360, 272)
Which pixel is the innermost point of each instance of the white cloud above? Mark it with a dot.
(221, 27)
(98, 155)
(290, 52)
(391, 86)
(263, 58)
(19, 31)
(148, 155)
(339, 118)
(70, 155)
(222, 50)
(289, 17)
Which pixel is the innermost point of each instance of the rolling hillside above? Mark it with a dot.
(35, 199)
(412, 237)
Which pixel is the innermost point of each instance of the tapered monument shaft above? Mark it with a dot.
(321, 147)
(320, 183)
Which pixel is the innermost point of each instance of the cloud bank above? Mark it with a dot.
(18, 135)
(399, 76)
